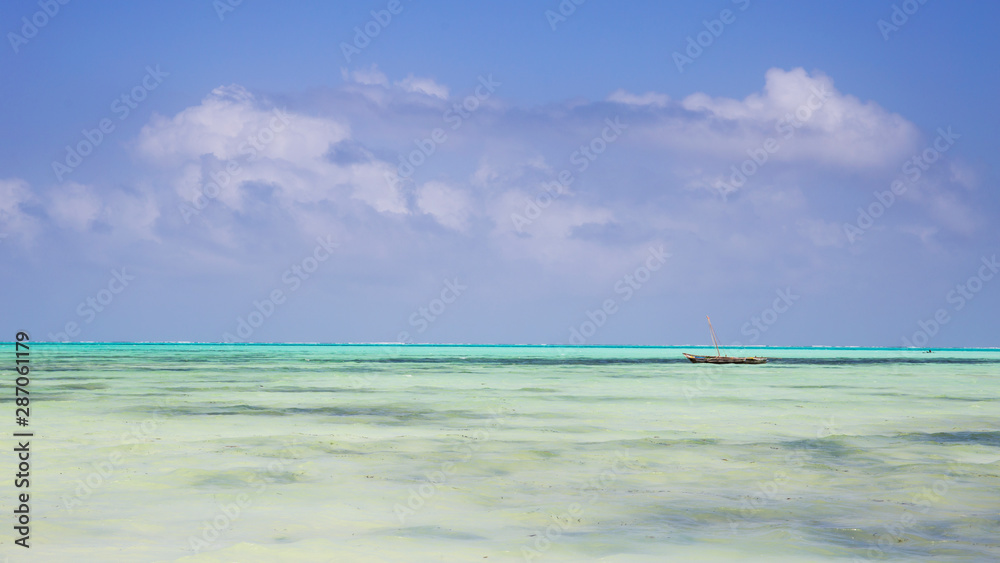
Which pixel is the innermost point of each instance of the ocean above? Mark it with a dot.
(388, 453)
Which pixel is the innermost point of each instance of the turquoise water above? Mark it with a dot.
(187, 452)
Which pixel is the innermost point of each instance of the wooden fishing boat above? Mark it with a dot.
(718, 358)
(724, 359)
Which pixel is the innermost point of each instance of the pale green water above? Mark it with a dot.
(440, 453)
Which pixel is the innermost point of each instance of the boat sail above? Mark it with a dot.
(718, 358)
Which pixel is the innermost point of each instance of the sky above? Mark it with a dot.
(515, 172)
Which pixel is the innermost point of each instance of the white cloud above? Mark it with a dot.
(135, 213)
(272, 147)
(963, 174)
(648, 99)
(14, 222)
(952, 213)
(230, 124)
(370, 186)
(74, 206)
(545, 232)
(370, 76)
(13, 192)
(423, 86)
(837, 129)
(449, 206)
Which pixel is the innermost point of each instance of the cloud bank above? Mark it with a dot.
(570, 195)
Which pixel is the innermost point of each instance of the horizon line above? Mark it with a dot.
(482, 345)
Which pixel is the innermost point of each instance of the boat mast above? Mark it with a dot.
(714, 339)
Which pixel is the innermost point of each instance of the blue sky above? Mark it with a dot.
(500, 172)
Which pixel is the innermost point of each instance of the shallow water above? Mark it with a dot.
(459, 453)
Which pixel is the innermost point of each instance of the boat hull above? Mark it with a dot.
(723, 359)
